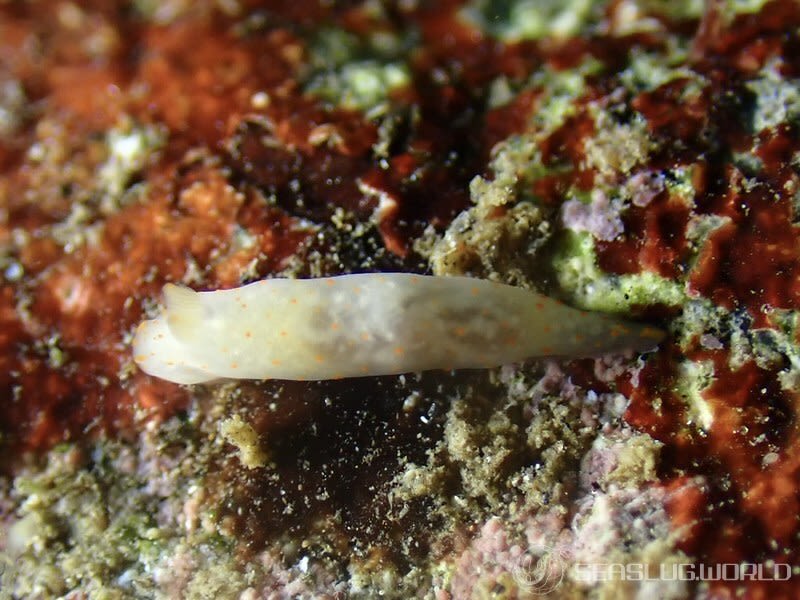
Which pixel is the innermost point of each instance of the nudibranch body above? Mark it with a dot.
(367, 324)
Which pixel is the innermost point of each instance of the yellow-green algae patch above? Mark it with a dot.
(108, 519)
(513, 20)
(580, 278)
(242, 435)
(357, 72)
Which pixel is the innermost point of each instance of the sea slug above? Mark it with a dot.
(363, 325)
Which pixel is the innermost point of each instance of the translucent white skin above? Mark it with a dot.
(369, 324)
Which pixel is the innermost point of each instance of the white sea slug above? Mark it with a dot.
(369, 324)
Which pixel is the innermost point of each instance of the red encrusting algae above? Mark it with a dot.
(88, 300)
(736, 484)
